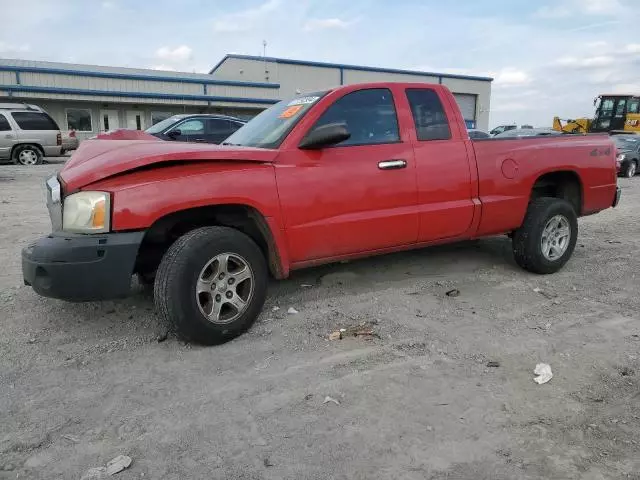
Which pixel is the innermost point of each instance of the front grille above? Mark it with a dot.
(54, 203)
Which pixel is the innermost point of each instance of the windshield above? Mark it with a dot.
(627, 142)
(164, 124)
(270, 127)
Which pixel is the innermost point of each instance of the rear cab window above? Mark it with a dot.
(428, 113)
(34, 121)
(4, 123)
(369, 116)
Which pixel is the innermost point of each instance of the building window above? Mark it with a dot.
(79, 119)
(159, 116)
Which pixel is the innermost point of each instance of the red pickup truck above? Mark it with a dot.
(355, 171)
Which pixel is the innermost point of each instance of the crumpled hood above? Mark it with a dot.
(99, 159)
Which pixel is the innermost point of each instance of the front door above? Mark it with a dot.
(357, 196)
(109, 120)
(135, 120)
(192, 130)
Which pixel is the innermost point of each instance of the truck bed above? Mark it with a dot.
(508, 169)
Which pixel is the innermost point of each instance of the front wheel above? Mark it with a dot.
(547, 237)
(211, 285)
(631, 170)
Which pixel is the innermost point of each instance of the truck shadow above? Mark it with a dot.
(451, 264)
(432, 263)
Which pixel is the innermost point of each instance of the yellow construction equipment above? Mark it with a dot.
(579, 125)
(614, 112)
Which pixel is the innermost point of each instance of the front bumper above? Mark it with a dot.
(616, 200)
(81, 267)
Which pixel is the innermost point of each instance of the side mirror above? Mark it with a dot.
(174, 133)
(324, 136)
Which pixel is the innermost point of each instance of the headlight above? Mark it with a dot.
(621, 157)
(86, 212)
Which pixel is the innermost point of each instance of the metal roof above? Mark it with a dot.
(56, 68)
(288, 61)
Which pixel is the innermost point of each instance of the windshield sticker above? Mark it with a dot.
(302, 101)
(291, 111)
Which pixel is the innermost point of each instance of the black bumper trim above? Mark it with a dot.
(616, 200)
(81, 267)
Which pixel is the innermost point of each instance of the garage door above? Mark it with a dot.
(467, 104)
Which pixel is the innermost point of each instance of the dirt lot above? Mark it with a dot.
(83, 383)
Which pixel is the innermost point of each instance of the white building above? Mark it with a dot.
(91, 99)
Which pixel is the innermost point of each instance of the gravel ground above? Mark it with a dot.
(83, 383)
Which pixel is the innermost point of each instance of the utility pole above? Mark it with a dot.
(264, 56)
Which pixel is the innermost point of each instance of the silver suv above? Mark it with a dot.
(27, 134)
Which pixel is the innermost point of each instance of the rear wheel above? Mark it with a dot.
(631, 170)
(211, 285)
(547, 237)
(27, 155)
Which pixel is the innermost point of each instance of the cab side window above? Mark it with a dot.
(369, 115)
(4, 124)
(428, 114)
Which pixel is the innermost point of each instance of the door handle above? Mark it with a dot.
(392, 164)
(8, 136)
(199, 140)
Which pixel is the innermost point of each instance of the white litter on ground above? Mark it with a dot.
(543, 372)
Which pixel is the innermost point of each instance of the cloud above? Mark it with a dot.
(326, 24)
(166, 68)
(632, 48)
(600, 77)
(108, 5)
(599, 61)
(597, 44)
(559, 11)
(601, 7)
(177, 54)
(509, 107)
(591, 26)
(6, 48)
(245, 20)
(626, 88)
(510, 76)
(568, 8)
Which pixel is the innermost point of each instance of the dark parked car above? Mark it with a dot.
(527, 132)
(202, 128)
(628, 154)
(475, 134)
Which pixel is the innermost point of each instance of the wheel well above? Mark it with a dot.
(166, 230)
(39, 147)
(563, 184)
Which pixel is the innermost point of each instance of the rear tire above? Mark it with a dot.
(27, 155)
(542, 244)
(195, 259)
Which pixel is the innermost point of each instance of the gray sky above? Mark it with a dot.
(547, 57)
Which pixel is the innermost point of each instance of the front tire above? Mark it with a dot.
(27, 155)
(631, 170)
(546, 240)
(211, 285)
